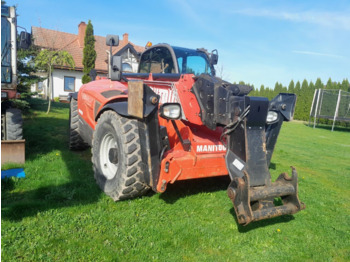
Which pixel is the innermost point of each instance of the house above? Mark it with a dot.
(66, 80)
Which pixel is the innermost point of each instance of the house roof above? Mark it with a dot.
(52, 39)
(125, 48)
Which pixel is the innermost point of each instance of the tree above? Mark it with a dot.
(26, 71)
(297, 88)
(89, 53)
(304, 85)
(291, 87)
(278, 88)
(304, 97)
(319, 84)
(312, 86)
(329, 84)
(345, 85)
(47, 59)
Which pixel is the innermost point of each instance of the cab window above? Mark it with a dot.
(197, 65)
(192, 61)
(157, 60)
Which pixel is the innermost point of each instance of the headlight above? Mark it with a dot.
(272, 117)
(170, 111)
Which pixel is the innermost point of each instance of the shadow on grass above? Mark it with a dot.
(186, 188)
(183, 189)
(17, 206)
(272, 166)
(53, 189)
(8, 184)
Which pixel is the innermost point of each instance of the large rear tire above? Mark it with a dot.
(116, 157)
(76, 142)
(14, 124)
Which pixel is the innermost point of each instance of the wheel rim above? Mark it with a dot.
(109, 166)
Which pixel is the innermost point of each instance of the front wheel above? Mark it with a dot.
(76, 142)
(116, 157)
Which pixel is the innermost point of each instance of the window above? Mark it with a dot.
(157, 60)
(69, 84)
(197, 65)
(180, 61)
(192, 61)
(40, 87)
(6, 70)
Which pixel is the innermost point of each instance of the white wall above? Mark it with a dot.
(58, 81)
(59, 74)
(128, 57)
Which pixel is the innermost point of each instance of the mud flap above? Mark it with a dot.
(251, 190)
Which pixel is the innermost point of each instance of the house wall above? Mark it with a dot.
(128, 57)
(59, 74)
(58, 81)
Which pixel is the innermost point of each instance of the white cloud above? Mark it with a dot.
(330, 19)
(196, 19)
(185, 8)
(317, 54)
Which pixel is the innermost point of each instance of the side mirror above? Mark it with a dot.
(116, 68)
(24, 40)
(115, 63)
(112, 40)
(214, 57)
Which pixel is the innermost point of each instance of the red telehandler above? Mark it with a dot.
(174, 120)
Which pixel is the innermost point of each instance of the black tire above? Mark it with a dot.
(76, 142)
(116, 157)
(14, 124)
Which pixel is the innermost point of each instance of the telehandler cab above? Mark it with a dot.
(174, 120)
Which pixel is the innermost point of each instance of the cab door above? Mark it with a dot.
(158, 60)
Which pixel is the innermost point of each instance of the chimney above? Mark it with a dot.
(125, 39)
(81, 33)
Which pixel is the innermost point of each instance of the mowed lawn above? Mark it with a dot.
(58, 213)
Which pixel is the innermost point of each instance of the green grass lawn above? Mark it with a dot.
(58, 213)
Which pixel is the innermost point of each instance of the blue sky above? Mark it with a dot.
(259, 42)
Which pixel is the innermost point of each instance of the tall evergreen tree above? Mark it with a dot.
(304, 85)
(301, 92)
(297, 88)
(329, 84)
(345, 85)
(291, 87)
(312, 86)
(89, 53)
(319, 84)
(278, 88)
(305, 96)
